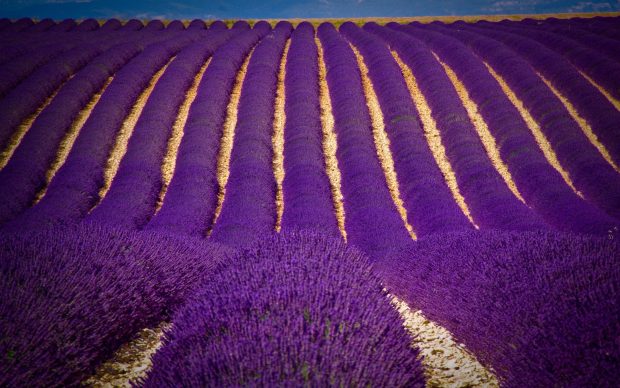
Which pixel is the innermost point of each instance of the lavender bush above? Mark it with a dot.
(294, 309)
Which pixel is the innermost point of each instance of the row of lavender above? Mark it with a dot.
(372, 222)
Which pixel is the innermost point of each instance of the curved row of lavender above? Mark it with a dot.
(517, 146)
(540, 308)
(371, 218)
(24, 174)
(591, 174)
(71, 296)
(295, 309)
(191, 197)
(588, 170)
(587, 100)
(604, 70)
(131, 199)
(248, 211)
(306, 187)
(430, 205)
(491, 203)
(537, 307)
(75, 187)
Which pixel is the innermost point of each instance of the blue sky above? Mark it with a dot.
(232, 9)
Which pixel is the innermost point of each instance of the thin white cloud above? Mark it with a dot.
(589, 6)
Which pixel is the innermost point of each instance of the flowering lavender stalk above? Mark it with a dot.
(588, 170)
(71, 296)
(248, 210)
(293, 310)
(25, 172)
(191, 197)
(74, 189)
(429, 203)
(588, 101)
(540, 308)
(305, 187)
(517, 146)
(132, 197)
(372, 221)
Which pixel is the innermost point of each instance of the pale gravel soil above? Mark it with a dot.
(69, 138)
(583, 124)
(330, 142)
(132, 361)
(534, 127)
(279, 119)
(446, 362)
(174, 142)
(122, 137)
(24, 127)
(382, 141)
(487, 139)
(228, 136)
(433, 137)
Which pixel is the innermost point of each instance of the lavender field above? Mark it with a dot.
(289, 205)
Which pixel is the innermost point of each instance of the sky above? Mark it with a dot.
(279, 9)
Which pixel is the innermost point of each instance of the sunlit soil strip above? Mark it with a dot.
(446, 362)
(583, 124)
(382, 142)
(279, 118)
(612, 100)
(228, 135)
(330, 142)
(23, 128)
(69, 138)
(170, 158)
(433, 137)
(540, 137)
(131, 362)
(122, 138)
(488, 141)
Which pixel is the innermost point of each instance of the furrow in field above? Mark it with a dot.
(433, 137)
(446, 362)
(587, 100)
(279, 119)
(122, 137)
(540, 137)
(483, 130)
(373, 223)
(615, 102)
(330, 142)
(170, 158)
(69, 138)
(132, 361)
(583, 124)
(227, 139)
(382, 142)
(23, 128)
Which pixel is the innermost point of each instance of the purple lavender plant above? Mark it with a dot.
(294, 309)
